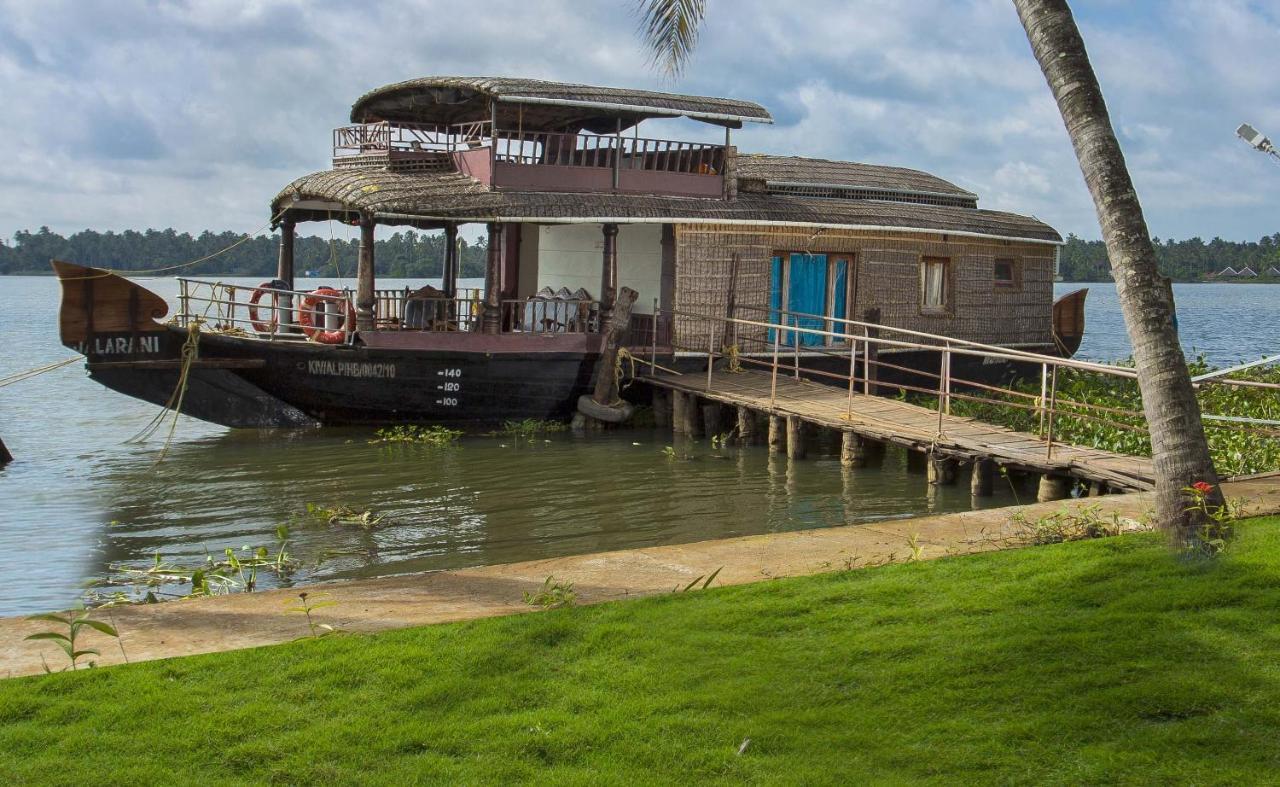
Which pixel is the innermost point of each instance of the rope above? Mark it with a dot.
(731, 352)
(190, 349)
(39, 370)
(624, 356)
(113, 272)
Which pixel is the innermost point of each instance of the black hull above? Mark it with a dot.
(247, 383)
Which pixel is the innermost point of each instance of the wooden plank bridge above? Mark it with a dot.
(943, 437)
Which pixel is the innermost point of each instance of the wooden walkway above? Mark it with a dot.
(910, 426)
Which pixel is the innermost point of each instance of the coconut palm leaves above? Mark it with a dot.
(670, 31)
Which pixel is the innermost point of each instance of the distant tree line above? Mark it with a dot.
(421, 255)
(1181, 260)
(404, 255)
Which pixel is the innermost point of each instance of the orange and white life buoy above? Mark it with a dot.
(311, 317)
(272, 287)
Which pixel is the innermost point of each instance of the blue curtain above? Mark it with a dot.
(807, 293)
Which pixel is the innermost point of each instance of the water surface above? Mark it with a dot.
(80, 498)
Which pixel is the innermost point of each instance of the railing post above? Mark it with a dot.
(1044, 394)
(795, 343)
(773, 383)
(947, 384)
(853, 373)
(711, 349)
(943, 385)
(653, 348)
(866, 361)
(1053, 401)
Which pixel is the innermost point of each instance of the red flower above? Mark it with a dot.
(1202, 487)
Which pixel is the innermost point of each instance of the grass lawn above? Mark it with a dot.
(1101, 661)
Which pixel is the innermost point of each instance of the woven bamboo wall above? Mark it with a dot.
(888, 278)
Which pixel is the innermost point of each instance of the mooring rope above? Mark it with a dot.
(39, 370)
(190, 349)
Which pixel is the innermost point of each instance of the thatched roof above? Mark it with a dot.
(432, 198)
(537, 105)
(796, 173)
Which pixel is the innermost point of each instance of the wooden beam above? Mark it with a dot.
(609, 269)
(284, 265)
(365, 276)
(492, 319)
(449, 275)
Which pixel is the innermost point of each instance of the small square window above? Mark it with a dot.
(1005, 273)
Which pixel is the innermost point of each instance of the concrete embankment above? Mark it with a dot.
(247, 620)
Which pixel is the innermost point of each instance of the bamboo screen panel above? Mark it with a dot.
(887, 269)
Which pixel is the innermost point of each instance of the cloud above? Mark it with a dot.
(153, 113)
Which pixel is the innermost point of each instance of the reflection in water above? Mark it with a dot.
(489, 500)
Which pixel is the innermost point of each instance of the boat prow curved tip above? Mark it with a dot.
(96, 301)
(1068, 321)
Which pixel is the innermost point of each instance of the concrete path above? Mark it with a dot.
(246, 620)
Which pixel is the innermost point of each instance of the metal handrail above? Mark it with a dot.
(1046, 404)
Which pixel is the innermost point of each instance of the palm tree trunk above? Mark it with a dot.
(1179, 449)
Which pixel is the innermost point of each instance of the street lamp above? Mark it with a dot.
(1256, 139)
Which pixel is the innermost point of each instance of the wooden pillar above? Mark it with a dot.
(777, 434)
(942, 470)
(449, 276)
(661, 407)
(747, 433)
(680, 405)
(1097, 489)
(1053, 487)
(491, 321)
(853, 450)
(796, 448)
(711, 418)
(982, 478)
(364, 277)
(615, 328)
(284, 265)
(609, 270)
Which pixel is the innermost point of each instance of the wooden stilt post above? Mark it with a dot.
(661, 407)
(1097, 489)
(365, 277)
(711, 418)
(942, 470)
(680, 405)
(982, 478)
(796, 448)
(1053, 487)
(747, 433)
(777, 434)
(853, 450)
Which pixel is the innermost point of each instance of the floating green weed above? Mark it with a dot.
(427, 435)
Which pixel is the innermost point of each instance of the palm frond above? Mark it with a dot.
(669, 29)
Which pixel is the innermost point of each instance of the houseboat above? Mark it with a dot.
(595, 234)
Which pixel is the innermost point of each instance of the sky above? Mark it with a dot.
(131, 114)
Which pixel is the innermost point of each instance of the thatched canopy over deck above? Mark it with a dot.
(433, 199)
(536, 105)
